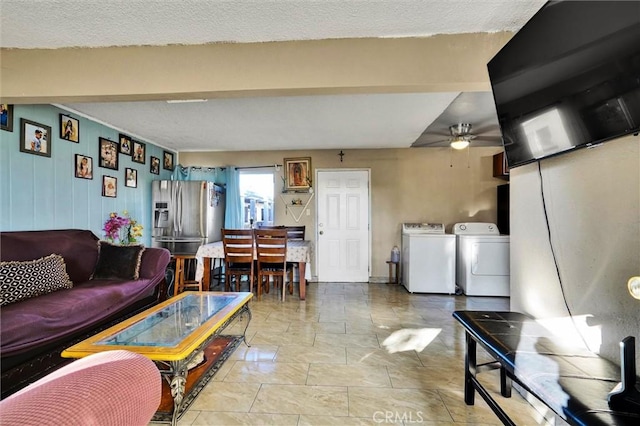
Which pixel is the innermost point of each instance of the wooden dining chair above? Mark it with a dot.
(238, 247)
(182, 272)
(271, 250)
(294, 233)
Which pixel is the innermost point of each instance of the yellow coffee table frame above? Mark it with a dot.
(172, 360)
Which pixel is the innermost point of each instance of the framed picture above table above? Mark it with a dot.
(297, 174)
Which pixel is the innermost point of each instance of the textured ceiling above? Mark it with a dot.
(327, 121)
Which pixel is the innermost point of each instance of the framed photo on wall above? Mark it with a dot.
(35, 138)
(155, 166)
(6, 117)
(84, 167)
(297, 172)
(125, 144)
(69, 128)
(131, 178)
(167, 164)
(138, 152)
(108, 154)
(109, 186)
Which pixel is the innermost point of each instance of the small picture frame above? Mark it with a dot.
(84, 167)
(155, 166)
(108, 154)
(35, 138)
(6, 117)
(125, 144)
(69, 128)
(130, 178)
(109, 186)
(167, 163)
(297, 172)
(138, 150)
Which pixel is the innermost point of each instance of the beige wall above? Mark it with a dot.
(592, 199)
(407, 185)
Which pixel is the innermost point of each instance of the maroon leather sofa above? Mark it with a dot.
(34, 331)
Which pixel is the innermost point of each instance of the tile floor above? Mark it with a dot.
(321, 362)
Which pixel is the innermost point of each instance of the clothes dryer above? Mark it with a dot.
(428, 258)
(482, 259)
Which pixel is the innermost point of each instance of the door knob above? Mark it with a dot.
(321, 232)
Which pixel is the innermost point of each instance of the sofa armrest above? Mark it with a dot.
(108, 388)
(154, 262)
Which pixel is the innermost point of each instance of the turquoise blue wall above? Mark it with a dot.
(42, 192)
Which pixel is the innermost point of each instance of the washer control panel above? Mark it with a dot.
(475, 228)
(423, 228)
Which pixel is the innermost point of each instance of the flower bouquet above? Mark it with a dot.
(122, 228)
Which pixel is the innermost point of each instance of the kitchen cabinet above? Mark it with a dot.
(500, 166)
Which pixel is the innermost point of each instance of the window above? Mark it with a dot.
(256, 191)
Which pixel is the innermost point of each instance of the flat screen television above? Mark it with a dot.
(570, 78)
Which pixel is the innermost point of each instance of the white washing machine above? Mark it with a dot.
(482, 260)
(428, 258)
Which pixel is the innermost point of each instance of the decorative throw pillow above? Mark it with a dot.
(118, 262)
(31, 278)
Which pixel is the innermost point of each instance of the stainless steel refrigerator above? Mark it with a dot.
(186, 214)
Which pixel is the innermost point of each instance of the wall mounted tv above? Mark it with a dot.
(570, 78)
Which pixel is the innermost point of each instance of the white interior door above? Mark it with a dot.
(343, 250)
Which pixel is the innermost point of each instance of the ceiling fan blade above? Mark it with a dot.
(430, 144)
(488, 128)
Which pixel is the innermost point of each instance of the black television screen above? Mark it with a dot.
(569, 78)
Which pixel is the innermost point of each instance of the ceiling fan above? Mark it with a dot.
(470, 120)
(460, 135)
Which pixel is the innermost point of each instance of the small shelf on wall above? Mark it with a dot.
(296, 202)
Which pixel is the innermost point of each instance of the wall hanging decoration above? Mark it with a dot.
(35, 138)
(108, 154)
(167, 164)
(297, 174)
(109, 186)
(6, 117)
(84, 167)
(125, 144)
(69, 128)
(138, 152)
(155, 166)
(130, 177)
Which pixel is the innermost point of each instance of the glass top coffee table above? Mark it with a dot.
(173, 333)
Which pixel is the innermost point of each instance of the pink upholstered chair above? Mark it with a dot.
(111, 388)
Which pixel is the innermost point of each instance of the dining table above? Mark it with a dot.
(297, 251)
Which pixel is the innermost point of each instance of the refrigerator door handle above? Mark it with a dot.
(174, 203)
(180, 209)
(203, 194)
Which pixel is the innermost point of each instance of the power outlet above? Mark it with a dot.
(308, 213)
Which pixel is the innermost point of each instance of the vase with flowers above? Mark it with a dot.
(122, 229)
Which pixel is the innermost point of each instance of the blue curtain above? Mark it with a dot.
(209, 174)
(233, 212)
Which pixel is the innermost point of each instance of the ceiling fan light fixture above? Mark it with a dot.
(459, 143)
